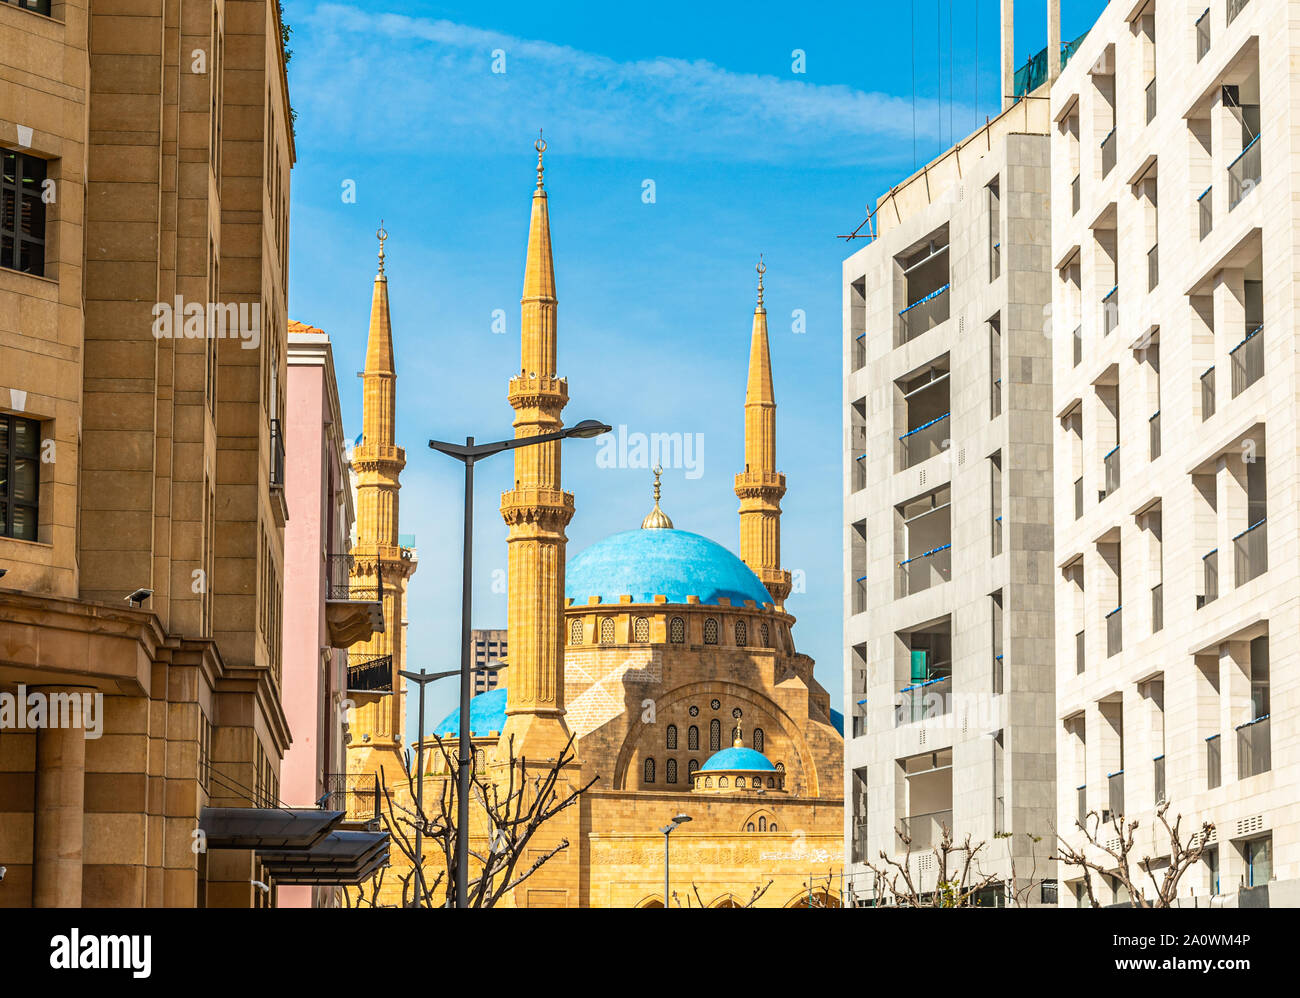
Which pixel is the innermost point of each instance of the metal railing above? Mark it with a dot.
(1078, 497)
(1078, 652)
(370, 673)
(1116, 797)
(1157, 607)
(1251, 552)
(926, 830)
(1110, 310)
(925, 314)
(925, 570)
(1235, 7)
(1153, 267)
(341, 585)
(1209, 578)
(1158, 764)
(1205, 205)
(1247, 360)
(1207, 394)
(1110, 464)
(1254, 748)
(277, 455)
(357, 794)
(919, 701)
(925, 441)
(1115, 631)
(1151, 100)
(1074, 195)
(1108, 153)
(1244, 173)
(1154, 425)
(1203, 35)
(1213, 762)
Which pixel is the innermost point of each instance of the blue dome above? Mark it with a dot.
(487, 713)
(660, 562)
(737, 758)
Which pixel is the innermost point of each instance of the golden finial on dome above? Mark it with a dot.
(657, 519)
(381, 234)
(540, 146)
(740, 736)
(762, 269)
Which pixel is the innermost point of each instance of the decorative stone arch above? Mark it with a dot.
(825, 900)
(761, 812)
(650, 901)
(708, 688)
(726, 900)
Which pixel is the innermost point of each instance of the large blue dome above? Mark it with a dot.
(487, 713)
(737, 758)
(660, 562)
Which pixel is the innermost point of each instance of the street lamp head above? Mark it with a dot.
(681, 819)
(587, 428)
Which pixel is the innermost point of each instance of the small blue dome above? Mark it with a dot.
(661, 562)
(737, 758)
(487, 713)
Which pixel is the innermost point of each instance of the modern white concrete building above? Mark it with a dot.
(1175, 206)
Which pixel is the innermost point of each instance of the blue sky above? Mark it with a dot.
(656, 299)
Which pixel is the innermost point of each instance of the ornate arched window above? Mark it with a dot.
(708, 781)
(671, 737)
(762, 824)
(758, 739)
(772, 827)
(649, 770)
(771, 782)
(742, 634)
(749, 827)
(710, 631)
(693, 738)
(692, 766)
(677, 631)
(765, 635)
(575, 631)
(715, 735)
(641, 630)
(780, 767)
(606, 630)
(722, 781)
(670, 771)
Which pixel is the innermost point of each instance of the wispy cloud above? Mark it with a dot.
(392, 78)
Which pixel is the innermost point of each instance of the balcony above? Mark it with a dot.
(1205, 206)
(924, 442)
(924, 314)
(1251, 552)
(1153, 267)
(1110, 467)
(356, 794)
(1203, 35)
(1158, 764)
(1207, 394)
(1157, 608)
(1108, 153)
(1235, 7)
(354, 608)
(1078, 497)
(1247, 361)
(1213, 763)
(1151, 100)
(1115, 631)
(369, 673)
(1078, 653)
(1115, 783)
(1254, 748)
(926, 830)
(1074, 195)
(1154, 428)
(1110, 310)
(1209, 579)
(925, 570)
(1244, 173)
(1078, 345)
(922, 701)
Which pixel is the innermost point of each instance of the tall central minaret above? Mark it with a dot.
(376, 728)
(537, 510)
(760, 486)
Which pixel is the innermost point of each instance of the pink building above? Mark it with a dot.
(322, 613)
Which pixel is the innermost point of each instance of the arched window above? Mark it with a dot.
(771, 782)
(641, 630)
(749, 827)
(650, 770)
(758, 739)
(765, 635)
(677, 631)
(722, 781)
(780, 767)
(671, 740)
(715, 735)
(742, 634)
(757, 783)
(692, 766)
(772, 827)
(670, 771)
(708, 781)
(762, 824)
(693, 738)
(710, 631)
(606, 630)
(575, 631)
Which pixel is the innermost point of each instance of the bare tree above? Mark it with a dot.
(1114, 857)
(958, 877)
(757, 893)
(514, 801)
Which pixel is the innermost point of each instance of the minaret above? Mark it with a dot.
(537, 510)
(377, 728)
(760, 486)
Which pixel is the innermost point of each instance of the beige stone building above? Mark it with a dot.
(1174, 212)
(146, 152)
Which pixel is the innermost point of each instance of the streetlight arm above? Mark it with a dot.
(476, 452)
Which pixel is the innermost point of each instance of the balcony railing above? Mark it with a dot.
(1078, 653)
(1078, 497)
(1153, 267)
(1234, 8)
(1205, 205)
(1151, 100)
(1213, 762)
(1110, 310)
(370, 673)
(925, 314)
(1244, 173)
(277, 455)
(1110, 464)
(926, 830)
(1078, 345)
(1108, 153)
(1209, 578)
(1115, 631)
(1203, 35)
(1247, 361)
(355, 793)
(1154, 425)
(1157, 607)
(1254, 748)
(1082, 812)
(1074, 195)
(1251, 552)
(925, 570)
(925, 441)
(1116, 797)
(920, 701)
(1207, 394)
(1159, 767)
(342, 585)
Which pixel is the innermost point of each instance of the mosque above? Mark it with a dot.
(670, 660)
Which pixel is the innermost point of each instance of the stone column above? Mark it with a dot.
(1008, 52)
(59, 813)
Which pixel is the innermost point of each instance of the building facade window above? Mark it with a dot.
(641, 630)
(742, 634)
(692, 766)
(722, 781)
(715, 735)
(710, 631)
(20, 477)
(693, 738)
(649, 770)
(670, 771)
(671, 737)
(22, 212)
(765, 635)
(677, 631)
(758, 739)
(575, 631)
(606, 630)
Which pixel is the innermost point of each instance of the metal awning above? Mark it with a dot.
(342, 857)
(266, 827)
